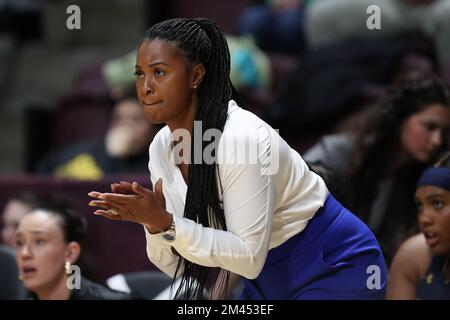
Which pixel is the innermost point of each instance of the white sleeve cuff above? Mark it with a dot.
(156, 238)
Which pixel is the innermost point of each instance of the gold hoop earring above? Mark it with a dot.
(67, 266)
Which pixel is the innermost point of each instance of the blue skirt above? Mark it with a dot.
(335, 257)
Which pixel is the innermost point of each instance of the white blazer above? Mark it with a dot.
(266, 201)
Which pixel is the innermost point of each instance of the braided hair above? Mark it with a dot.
(201, 41)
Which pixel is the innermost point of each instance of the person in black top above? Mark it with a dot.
(420, 269)
(48, 244)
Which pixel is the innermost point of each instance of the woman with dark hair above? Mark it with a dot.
(245, 203)
(15, 209)
(48, 244)
(382, 162)
(420, 269)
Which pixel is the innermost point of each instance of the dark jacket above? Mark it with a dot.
(93, 291)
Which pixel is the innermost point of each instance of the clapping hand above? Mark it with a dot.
(134, 203)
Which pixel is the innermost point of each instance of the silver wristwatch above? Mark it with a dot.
(170, 234)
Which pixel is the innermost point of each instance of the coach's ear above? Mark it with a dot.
(198, 73)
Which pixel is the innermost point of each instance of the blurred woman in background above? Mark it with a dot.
(15, 209)
(48, 243)
(420, 269)
(383, 161)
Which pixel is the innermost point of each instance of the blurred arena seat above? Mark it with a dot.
(148, 284)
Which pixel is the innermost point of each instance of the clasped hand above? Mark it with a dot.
(134, 203)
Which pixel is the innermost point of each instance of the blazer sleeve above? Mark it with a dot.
(159, 251)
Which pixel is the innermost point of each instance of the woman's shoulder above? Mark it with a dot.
(162, 137)
(414, 256)
(160, 143)
(332, 150)
(245, 132)
(239, 118)
(244, 125)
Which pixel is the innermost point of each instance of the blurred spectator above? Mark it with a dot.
(384, 160)
(332, 82)
(118, 73)
(48, 243)
(124, 148)
(420, 269)
(332, 21)
(276, 25)
(14, 210)
(11, 288)
(250, 67)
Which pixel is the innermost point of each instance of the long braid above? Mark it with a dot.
(201, 41)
